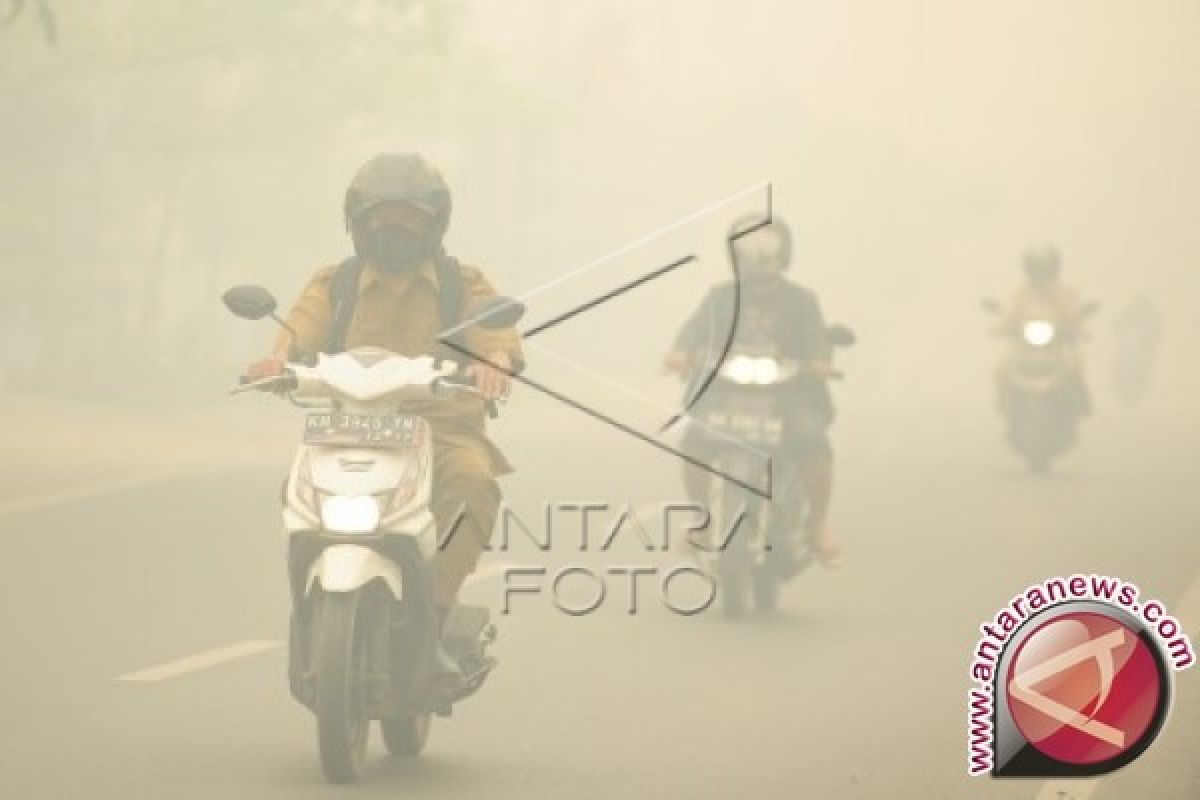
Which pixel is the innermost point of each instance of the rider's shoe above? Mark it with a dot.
(829, 556)
(823, 548)
(461, 663)
(446, 668)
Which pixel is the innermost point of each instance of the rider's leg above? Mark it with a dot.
(697, 481)
(465, 503)
(816, 479)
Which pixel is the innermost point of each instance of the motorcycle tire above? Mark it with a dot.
(341, 686)
(405, 735)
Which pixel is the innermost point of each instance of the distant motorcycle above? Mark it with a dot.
(361, 539)
(1040, 389)
(742, 414)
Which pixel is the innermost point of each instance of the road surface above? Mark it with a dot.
(142, 624)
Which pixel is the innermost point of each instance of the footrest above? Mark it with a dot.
(446, 694)
(465, 630)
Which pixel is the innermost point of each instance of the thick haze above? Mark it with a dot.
(162, 151)
(155, 152)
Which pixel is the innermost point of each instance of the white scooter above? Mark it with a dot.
(364, 641)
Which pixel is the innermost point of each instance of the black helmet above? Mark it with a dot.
(399, 178)
(1042, 263)
(753, 224)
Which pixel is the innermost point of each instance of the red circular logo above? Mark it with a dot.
(1084, 688)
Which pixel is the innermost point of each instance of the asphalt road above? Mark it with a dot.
(855, 689)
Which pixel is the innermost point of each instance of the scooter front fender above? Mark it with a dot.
(347, 567)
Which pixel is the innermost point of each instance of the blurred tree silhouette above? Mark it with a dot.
(149, 150)
(16, 9)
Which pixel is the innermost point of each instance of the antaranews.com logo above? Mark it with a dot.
(1073, 679)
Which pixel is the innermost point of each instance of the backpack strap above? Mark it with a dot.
(450, 300)
(450, 306)
(343, 296)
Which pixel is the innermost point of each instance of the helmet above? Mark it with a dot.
(399, 178)
(760, 247)
(1042, 263)
(405, 179)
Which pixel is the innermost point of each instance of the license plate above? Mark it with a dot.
(363, 430)
(748, 427)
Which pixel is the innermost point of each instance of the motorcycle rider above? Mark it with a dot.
(1044, 296)
(397, 209)
(788, 314)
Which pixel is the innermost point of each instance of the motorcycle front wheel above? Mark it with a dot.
(341, 686)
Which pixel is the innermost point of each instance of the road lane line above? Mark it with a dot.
(221, 655)
(37, 502)
(1188, 613)
(199, 661)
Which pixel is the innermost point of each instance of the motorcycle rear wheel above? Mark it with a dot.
(405, 735)
(766, 590)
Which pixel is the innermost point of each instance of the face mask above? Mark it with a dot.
(396, 249)
(759, 271)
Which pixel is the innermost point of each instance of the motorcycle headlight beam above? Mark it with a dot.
(740, 369)
(1038, 332)
(341, 514)
(766, 371)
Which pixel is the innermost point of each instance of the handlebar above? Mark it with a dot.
(458, 383)
(287, 382)
(273, 383)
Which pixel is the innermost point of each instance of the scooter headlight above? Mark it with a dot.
(766, 371)
(341, 514)
(746, 370)
(1038, 332)
(739, 369)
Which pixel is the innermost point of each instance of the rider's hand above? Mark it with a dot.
(270, 367)
(676, 363)
(492, 383)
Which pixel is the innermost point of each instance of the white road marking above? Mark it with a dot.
(199, 661)
(1188, 613)
(36, 502)
(222, 655)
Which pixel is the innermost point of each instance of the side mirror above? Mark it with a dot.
(249, 302)
(990, 305)
(840, 335)
(499, 312)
